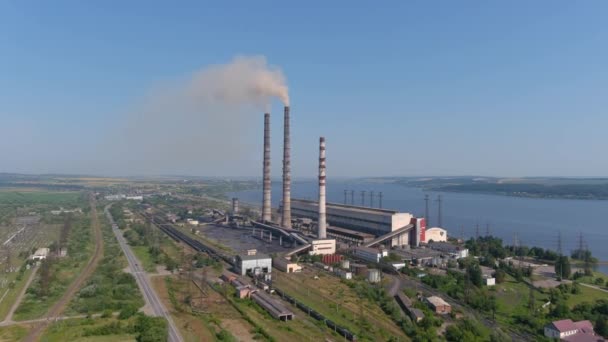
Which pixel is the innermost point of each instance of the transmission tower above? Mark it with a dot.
(559, 243)
(426, 210)
(371, 199)
(363, 197)
(439, 216)
(345, 194)
(487, 230)
(380, 199)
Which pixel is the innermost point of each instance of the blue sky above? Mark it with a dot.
(514, 88)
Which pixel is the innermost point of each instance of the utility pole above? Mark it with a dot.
(462, 232)
(380, 199)
(487, 230)
(352, 197)
(371, 199)
(477, 231)
(426, 210)
(580, 243)
(363, 197)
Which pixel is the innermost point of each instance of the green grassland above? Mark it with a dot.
(12, 333)
(62, 272)
(87, 329)
(340, 303)
(13, 292)
(109, 288)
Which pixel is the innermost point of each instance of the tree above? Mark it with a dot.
(500, 276)
(474, 274)
(562, 267)
(601, 326)
(599, 281)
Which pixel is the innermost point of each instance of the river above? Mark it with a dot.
(534, 222)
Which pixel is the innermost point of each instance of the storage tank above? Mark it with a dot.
(373, 275)
(345, 264)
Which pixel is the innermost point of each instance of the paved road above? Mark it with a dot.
(143, 282)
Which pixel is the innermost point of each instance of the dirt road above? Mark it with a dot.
(60, 306)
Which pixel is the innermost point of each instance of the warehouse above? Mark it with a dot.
(438, 305)
(370, 254)
(373, 221)
(253, 264)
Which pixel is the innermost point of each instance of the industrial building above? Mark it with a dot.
(373, 221)
(286, 266)
(450, 250)
(436, 234)
(370, 254)
(438, 305)
(323, 247)
(253, 263)
(41, 254)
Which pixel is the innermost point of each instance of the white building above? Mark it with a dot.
(323, 246)
(370, 254)
(192, 222)
(489, 281)
(253, 264)
(41, 254)
(436, 234)
(135, 198)
(361, 219)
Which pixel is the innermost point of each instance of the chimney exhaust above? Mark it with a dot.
(266, 206)
(322, 214)
(286, 217)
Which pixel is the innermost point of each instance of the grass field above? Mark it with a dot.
(63, 271)
(340, 303)
(586, 295)
(144, 257)
(11, 295)
(512, 295)
(76, 330)
(12, 333)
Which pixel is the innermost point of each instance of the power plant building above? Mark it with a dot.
(361, 219)
(253, 264)
(323, 246)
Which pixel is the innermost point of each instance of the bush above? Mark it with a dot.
(127, 312)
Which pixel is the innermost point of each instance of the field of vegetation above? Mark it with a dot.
(55, 274)
(353, 305)
(110, 289)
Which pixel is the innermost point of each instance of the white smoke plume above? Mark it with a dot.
(200, 126)
(245, 80)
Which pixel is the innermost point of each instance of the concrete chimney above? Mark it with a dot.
(266, 204)
(322, 216)
(286, 217)
(235, 206)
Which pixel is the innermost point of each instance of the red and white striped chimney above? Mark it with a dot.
(266, 204)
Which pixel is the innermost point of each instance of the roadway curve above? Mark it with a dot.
(143, 282)
(60, 306)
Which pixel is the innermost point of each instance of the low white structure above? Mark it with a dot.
(135, 198)
(489, 281)
(436, 234)
(370, 254)
(286, 266)
(41, 254)
(192, 222)
(66, 211)
(253, 264)
(323, 246)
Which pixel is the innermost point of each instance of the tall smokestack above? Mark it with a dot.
(286, 218)
(266, 206)
(235, 206)
(322, 217)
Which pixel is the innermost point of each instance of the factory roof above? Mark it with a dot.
(437, 301)
(253, 257)
(445, 247)
(368, 249)
(351, 232)
(417, 253)
(360, 209)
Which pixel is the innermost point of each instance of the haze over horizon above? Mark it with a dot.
(410, 89)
